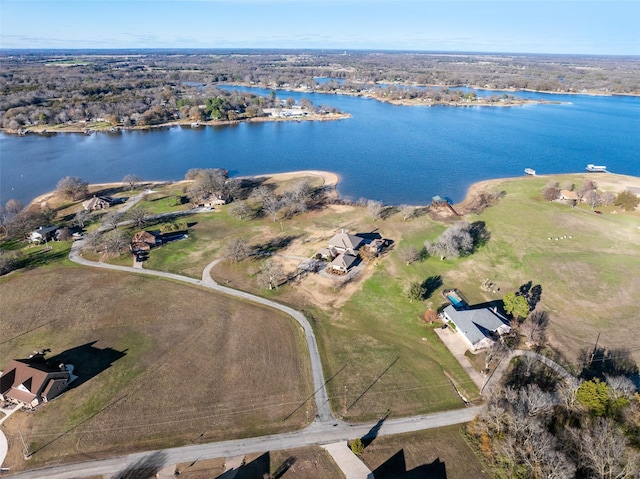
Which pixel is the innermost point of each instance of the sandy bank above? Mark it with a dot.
(329, 181)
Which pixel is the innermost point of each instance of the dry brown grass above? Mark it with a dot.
(310, 463)
(197, 366)
(436, 453)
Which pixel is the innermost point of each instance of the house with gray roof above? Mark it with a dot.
(42, 234)
(345, 243)
(343, 262)
(478, 327)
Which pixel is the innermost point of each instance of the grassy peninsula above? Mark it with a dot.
(189, 361)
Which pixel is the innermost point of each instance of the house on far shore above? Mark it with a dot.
(43, 233)
(98, 203)
(143, 241)
(33, 381)
(478, 327)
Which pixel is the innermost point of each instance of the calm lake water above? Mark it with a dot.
(390, 153)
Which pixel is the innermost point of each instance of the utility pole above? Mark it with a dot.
(344, 402)
(595, 348)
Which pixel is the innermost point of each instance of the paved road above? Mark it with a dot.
(316, 434)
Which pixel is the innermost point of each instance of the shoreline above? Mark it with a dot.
(329, 178)
(100, 127)
(331, 181)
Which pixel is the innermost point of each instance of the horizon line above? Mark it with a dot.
(3, 51)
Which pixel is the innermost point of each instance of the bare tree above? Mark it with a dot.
(131, 180)
(607, 198)
(551, 191)
(206, 182)
(81, 218)
(139, 215)
(271, 205)
(72, 187)
(456, 241)
(64, 234)
(567, 392)
(592, 198)
(409, 254)
(13, 207)
(240, 209)
(620, 387)
(113, 218)
(270, 274)
(407, 212)
(375, 208)
(495, 354)
(236, 250)
(93, 239)
(114, 242)
(535, 327)
(602, 450)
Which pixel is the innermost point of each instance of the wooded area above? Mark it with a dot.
(149, 87)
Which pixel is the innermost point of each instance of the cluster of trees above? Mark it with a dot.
(17, 222)
(539, 426)
(211, 182)
(293, 201)
(588, 193)
(151, 88)
(460, 239)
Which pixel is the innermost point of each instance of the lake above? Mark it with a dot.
(395, 154)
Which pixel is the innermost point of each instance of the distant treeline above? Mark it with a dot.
(151, 87)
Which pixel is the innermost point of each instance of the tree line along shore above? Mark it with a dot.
(83, 92)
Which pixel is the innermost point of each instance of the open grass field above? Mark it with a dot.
(309, 463)
(438, 453)
(160, 364)
(378, 355)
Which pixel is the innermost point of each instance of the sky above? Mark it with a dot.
(605, 27)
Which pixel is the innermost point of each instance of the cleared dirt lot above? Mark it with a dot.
(160, 364)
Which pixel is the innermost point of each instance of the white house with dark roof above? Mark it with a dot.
(42, 234)
(479, 327)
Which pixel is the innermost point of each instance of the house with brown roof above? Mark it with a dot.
(97, 203)
(143, 241)
(568, 195)
(33, 381)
